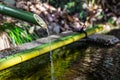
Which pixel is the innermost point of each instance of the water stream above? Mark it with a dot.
(43, 24)
(51, 58)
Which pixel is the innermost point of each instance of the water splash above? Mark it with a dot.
(43, 24)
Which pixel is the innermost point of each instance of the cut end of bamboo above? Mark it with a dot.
(40, 21)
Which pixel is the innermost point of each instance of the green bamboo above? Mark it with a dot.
(17, 13)
(44, 48)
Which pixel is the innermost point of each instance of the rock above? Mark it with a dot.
(104, 39)
(20, 4)
(9, 2)
(55, 28)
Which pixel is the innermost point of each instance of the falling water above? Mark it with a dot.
(42, 23)
(51, 58)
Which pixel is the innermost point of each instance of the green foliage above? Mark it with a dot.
(32, 33)
(111, 21)
(74, 7)
(57, 3)
(71, 6)
(16, 34)
(82, 15)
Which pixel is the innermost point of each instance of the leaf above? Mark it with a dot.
(70, 4)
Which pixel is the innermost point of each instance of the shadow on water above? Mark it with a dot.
(107, 65)
(98, 62)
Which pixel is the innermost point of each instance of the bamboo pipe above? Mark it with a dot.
(19, 14)
(42, 49)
